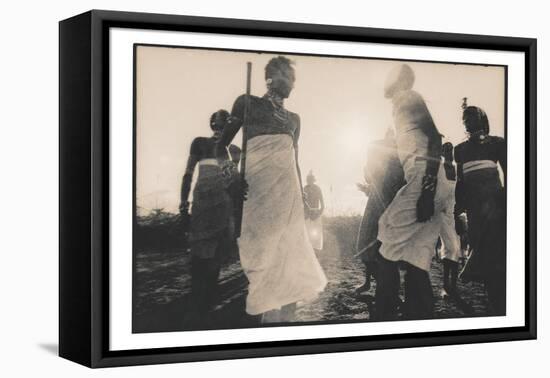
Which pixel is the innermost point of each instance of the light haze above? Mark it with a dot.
(340, 102)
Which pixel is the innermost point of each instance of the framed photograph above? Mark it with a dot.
(235, 188)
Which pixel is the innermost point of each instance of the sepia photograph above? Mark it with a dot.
(280, 189)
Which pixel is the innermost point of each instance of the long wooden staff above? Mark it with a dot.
(239, 220)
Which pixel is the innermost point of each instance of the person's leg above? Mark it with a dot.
(450, 273)
(271, 316)
(387, 290)
(367, 285)
(453, 276)
(495, 285)
(463, 248)
(214, 267)
(419, 302)
(211, 292)
(450, 250)
(199, 287)
(288, 312)
(494, 246)
(438, 247)
(446, 275)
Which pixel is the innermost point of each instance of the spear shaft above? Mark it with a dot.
(239, 219)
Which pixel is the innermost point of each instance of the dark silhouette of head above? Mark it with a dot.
(400, 78)
(475, 121)
(447, 151)
(280, 76)
(218, 120)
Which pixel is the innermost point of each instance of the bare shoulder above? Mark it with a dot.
(496, 139)
(294, 117)
(459, 148)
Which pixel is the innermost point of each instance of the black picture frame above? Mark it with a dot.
(84, 187)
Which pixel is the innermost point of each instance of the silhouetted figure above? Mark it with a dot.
(383, 177)
(211, 224)
(276, 255)
(450, 241)
(481, 195)
(411, 224)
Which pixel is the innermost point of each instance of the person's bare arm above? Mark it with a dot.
(188, 177)
(231, 128)
(434, 149)
(296, 138)
(460, 193)
(459, 189)
(501, 151)
(425, 206)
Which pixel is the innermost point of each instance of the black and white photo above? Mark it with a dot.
(234, 188)
(363, 190)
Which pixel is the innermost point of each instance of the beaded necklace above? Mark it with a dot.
(279, 112)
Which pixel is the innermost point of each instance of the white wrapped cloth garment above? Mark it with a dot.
(450, 241)
(276, 253)
(403, 237)
(315, 232)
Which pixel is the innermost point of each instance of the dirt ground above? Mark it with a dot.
(162, 289)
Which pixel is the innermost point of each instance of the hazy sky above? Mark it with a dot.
(340, 103)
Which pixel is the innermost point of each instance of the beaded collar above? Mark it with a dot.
(279, 112)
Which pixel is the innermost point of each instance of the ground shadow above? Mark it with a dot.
(52, 348)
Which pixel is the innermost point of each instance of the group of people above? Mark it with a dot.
(413, 200)
(422, 192)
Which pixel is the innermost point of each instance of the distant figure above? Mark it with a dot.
(276, 255)
(211, 226)
(480, 194)
(315, 205)
(450, 242)
(383, 178)
(411, 224)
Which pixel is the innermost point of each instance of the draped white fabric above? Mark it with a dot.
(315, 232)
(276, 254)
(402, 236)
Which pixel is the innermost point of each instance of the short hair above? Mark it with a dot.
(222, 112)
(475, 120)
(280, 63)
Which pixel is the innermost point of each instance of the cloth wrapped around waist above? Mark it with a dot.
(276, 253)
(212, 209)
(402, 236)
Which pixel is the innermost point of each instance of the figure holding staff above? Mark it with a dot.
(276, 254)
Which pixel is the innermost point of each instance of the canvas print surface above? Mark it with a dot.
(284, 189)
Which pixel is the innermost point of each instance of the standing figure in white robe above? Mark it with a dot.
(315, 205)
(275, 251)
(451, 251)
(412, 223)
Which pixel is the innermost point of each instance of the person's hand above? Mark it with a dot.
(229, 172)
(461, 224)
(315, 213)
(184, 220)
(447, 151)
(244, 189)
(425, 204)
(307, 212)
